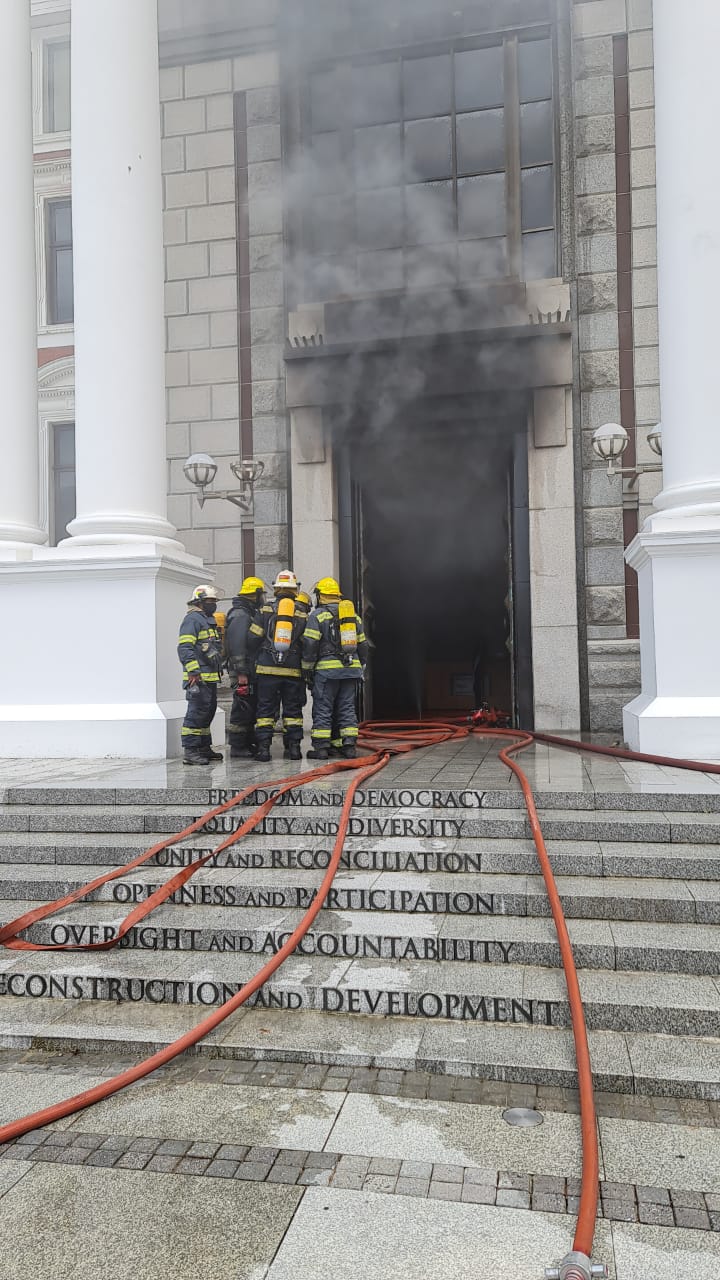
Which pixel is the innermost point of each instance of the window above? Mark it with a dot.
(63, 480)
(56, 86)
(59, 262)
(433, 168)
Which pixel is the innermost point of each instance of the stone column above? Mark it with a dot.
(19, 528)
(117, 589)
(118, 265)
(677, 554)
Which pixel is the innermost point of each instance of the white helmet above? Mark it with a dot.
(285, 581)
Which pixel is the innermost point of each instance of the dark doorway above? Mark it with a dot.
(435, 541)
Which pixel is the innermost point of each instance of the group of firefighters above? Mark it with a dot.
(274, 651)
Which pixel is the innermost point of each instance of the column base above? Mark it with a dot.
(678, 711)
(110, 529)
(687, 728)
(90, 667)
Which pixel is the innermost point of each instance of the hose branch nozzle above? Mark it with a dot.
(577, 1266)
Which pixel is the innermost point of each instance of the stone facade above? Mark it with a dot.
(613, 659)
(205, 295)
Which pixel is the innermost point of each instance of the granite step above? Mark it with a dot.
(671, 1004)
(695, 794)
(410, 824)
(515, 856)
(592, 898)
(623, 1062)
(689, 949)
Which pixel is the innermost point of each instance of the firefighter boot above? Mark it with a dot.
(263, 752)
(292, 751)
(191, 755)
(349, 750)
(210, 754)
(318, 753)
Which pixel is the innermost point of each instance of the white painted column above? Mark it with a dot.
(118, 265)
(677, 554)
(19, 527)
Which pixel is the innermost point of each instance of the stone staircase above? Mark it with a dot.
(436, 951)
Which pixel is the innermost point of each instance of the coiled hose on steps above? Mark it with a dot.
(380, 741)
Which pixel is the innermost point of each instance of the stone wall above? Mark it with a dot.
(204, 295)
(613, 665)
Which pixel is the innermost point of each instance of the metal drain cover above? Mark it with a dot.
(522, 1117)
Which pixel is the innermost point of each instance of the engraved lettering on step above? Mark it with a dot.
(374, 799)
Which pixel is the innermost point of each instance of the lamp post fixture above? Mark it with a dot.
(611, 441)
(200, 469)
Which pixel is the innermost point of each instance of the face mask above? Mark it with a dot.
(209, 607)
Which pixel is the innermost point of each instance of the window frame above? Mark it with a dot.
(510, 40)
(50, 248)
(52, 182)
(41, 38)
(55, 536)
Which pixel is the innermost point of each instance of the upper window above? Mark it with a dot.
(59, 262)
(56, 86)
(433, 169)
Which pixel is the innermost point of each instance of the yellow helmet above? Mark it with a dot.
(250, 586)
(303, 603)
(286, 581)
(328, 588)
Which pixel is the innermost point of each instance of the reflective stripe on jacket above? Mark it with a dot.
(200, 647)
(322, 651)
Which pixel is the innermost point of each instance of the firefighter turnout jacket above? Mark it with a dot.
(322, 651)
(267, 658)
(200, 647)
(243, 632)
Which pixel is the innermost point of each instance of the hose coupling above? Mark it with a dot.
(577, 1266)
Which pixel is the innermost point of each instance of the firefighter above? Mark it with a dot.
(278, 671)
(200, 652)
(242, 623)
(334, 655)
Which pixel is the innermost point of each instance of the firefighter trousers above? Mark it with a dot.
(241, 730)
(334, 710)
(272, 693)
(201, 707)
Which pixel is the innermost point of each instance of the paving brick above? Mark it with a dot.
(289, 1174)
(447, 1173)
(103, 1158)
(513, 1199)
(379, 1164)
(133, 1160)
(230, 1151)
(546, 1202)
(445, 1191)
(162, 1164)
(657, 1215)
(315, 1178)
(477, 1193)
(412, 1187)
(416, 1169)
(191, 1165)
(222, 1168)
(252, 1171)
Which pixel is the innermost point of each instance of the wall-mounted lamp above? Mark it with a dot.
(200, 469)
(611, 441)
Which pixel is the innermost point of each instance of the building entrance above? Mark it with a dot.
(435, 540)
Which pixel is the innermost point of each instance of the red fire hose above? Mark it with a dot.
(382, 740)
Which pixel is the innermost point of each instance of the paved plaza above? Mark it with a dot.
(308, 1135)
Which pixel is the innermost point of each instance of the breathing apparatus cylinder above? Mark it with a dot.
(283, 630)
(348, 631)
